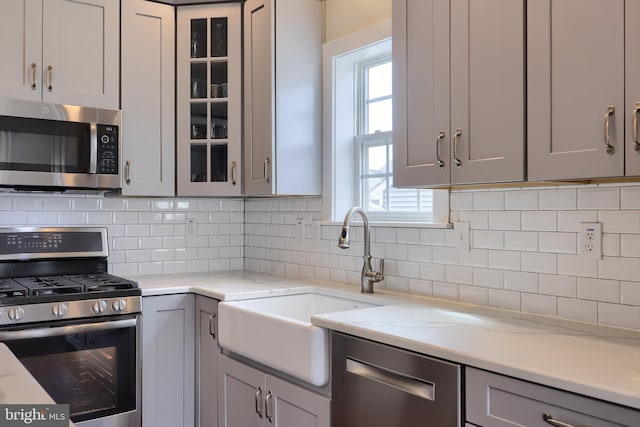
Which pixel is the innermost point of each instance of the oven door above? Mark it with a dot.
(92, 366)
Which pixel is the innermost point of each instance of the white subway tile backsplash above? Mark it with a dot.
(562, 286)
(488, 278)
(509, 300)
(26, 204)
(521, 240)
(569, 221)
(488, 200)
(487, 239)
(476, 220)
(558, 199)
(599, 290)
(575, 309)
(611, 245)
(630, 245)
(539, 304)
(461, 201)
(630, 197)
(409, 236)
(577, 265)
(538, 262)
(474, 295)
(521, 200)
(627, 269)
(474, 258)
(558, 242)
(539, 221)
(46, 218)
(445, 290)
(620, 221)
(624, 316)
(422, 287)
(521, 281)
(504, 220)
(630, 293)
(603, 198)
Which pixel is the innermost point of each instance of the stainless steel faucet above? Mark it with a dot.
(369, 276)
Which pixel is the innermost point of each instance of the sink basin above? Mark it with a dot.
(277, 332)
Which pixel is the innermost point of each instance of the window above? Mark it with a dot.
(359, 148)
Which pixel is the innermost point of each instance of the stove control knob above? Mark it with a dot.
(119, 305)
(59, 310)
(15, 313)
(99, 306)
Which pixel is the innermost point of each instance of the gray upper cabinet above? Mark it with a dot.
(576, 88)
(632, 92)
(282, 97)
(459, 101)
(61, 51)
(148, 99)
(209, 100)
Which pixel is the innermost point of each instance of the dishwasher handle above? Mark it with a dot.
(405, 383)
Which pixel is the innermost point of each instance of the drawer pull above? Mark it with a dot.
(555, 423)
(405, 383)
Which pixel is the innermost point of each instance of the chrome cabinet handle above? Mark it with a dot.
(212, 325)
(456, 137)
(266, 169)
(440, 137)
(34, 70)
(259, 402)
(634, 126)
(234, 167)
(127, 172)
(547, 418)
(607, 133)
(50, 87)
(268, 404)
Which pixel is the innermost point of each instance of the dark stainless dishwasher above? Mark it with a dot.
(376, 385)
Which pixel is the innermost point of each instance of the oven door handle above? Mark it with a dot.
(66, 330)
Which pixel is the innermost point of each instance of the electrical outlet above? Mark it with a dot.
(591, 240)
(461, 236)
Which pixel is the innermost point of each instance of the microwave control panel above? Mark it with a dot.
(107, 149)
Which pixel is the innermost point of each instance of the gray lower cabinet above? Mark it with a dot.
(249, 397)
(168, 332)
(494, 400)
(206, 362)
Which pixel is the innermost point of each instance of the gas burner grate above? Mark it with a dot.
(11, 289)
(102, 282)
(49, 285)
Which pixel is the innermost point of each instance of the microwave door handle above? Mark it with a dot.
(65, 330)
(93, 153)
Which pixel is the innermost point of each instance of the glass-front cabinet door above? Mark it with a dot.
(209, 100)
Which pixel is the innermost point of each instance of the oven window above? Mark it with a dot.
(94, 372)
(44, 145)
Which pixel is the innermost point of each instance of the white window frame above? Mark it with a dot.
(340, 159)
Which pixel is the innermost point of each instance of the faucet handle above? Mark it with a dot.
(382, 266)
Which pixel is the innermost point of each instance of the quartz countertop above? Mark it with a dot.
(596, 361)
(17, 386)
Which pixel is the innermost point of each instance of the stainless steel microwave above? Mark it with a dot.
(58, 147)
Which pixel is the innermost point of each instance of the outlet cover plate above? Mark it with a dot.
(591, 240)
(461, 237)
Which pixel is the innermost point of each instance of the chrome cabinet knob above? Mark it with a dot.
(99, 307)
(119, 305)
(59, 310)
(15, 313)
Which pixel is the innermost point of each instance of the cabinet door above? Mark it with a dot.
(575, 73)
(209, 107)
(168, 331)
(487, 91)
(206, 362)
(421, 93)
(148, 99)
(292, 406)
(632, 60)
(241, 395)
(21, 50)
(81, 54)
(259, 132)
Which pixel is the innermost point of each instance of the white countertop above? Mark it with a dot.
(17, 386)
(592, 360)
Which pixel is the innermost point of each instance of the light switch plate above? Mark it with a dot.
(461, 236)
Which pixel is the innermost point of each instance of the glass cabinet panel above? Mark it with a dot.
(209, 94)
(209, 150)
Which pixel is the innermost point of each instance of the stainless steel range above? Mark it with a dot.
(73, 325)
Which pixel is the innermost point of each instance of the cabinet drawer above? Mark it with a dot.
(494, 400)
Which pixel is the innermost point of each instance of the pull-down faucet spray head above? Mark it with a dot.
(344, 240)
(369, 276)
